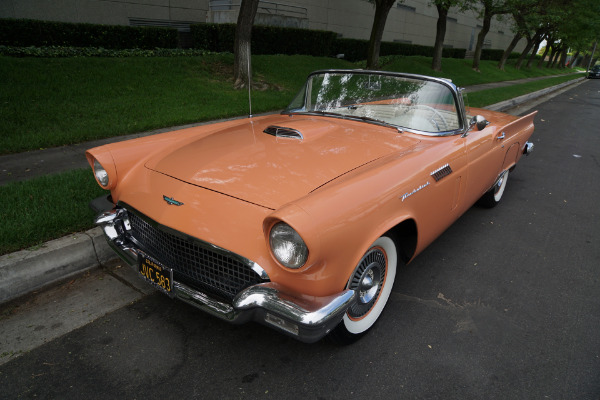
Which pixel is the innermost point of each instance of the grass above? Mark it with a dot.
(52, 102)
(493, 96)
(57, 101)
(46, 208)
(462, 73)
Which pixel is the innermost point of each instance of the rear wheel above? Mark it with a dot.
(372, 281)
(493, 196)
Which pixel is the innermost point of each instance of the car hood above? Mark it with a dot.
(244, 162)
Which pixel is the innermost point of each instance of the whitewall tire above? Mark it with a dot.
(372, 281)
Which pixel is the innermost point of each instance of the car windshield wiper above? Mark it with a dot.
(377, 121)
(352, 117)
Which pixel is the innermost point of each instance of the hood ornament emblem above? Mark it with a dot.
(171, 201)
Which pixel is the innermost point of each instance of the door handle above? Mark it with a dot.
(501, 136)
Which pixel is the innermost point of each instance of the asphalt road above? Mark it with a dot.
(504, 305)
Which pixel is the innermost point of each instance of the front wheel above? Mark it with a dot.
(493, 196)
(372, 281)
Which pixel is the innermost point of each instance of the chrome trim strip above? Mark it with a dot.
(441, 172)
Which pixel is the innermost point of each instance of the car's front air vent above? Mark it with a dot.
(279, 131)
(441, 172)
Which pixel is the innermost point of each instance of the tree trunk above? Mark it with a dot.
(382, 9)
(574, 60)
(242, 71)
(487, 21)
(440, 33)
(509, 50)
(541, 62)
(536, 48)
(524, 53)
(556, 55)
(563, 58)
(586, 60)
(552, 51)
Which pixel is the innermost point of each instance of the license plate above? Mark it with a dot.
(156, 273)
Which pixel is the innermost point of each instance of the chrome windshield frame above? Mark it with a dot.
(456, 94)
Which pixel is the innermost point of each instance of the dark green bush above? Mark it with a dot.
(265, 39)
(356, 49)
(454, 53)
(352, 49)
(491, 54)
(58, 52)
(27, 32)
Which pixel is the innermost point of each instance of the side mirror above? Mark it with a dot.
(479, 121)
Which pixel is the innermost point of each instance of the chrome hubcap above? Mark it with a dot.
(368, 288)
(499, 184)
(367, 282)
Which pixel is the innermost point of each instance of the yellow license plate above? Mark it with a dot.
(159, 275)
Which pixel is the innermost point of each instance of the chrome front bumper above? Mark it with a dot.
(306, 318)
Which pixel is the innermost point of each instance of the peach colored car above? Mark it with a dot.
(300, 220)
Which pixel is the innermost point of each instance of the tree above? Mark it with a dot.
(382, 9)
(242, 71)
(490, 9)
(443, 6)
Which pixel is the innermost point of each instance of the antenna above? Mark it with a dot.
(249, 84)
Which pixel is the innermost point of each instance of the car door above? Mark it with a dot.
(485, 156)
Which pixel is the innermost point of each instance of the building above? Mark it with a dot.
(410, 21)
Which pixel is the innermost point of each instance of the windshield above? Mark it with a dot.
(405, 102)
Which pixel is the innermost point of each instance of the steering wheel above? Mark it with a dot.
(435, 113)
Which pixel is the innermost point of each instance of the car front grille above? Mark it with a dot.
(195, 263)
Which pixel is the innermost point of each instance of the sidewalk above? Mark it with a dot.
(27, 270)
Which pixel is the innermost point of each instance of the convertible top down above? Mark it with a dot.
(299, 220)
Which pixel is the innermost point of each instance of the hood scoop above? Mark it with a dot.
(283, 132)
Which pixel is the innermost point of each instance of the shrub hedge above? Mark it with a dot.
(278, 40)
(24, 33)
(58, 52)
(496, 55)
(265, 39)
(27, 32)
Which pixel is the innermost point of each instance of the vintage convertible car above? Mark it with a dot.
(299, 220)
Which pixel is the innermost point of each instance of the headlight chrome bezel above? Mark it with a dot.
(287, 246)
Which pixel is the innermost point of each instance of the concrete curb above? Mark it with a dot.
(25, 271)
(508, 104)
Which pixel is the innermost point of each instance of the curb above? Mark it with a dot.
(508, 104)
(25, 271)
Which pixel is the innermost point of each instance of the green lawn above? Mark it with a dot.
(462, 74)
(47, 102)
(57, 101)
(492, 96)
(46, 208)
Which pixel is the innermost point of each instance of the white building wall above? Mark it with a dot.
(413, 21)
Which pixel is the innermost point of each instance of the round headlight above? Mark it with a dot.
(101, 174)
(287, 246)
